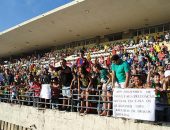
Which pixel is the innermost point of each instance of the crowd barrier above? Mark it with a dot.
(138, 104)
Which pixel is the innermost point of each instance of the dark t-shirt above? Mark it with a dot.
(65, 75)
(9, 78)
(45, 78)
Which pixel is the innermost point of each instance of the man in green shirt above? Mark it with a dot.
(120, 72)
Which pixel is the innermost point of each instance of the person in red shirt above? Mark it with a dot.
(82, 61)
(161, 57)
(35, 88)
(113, 52)
(108, 61)
(55, 93)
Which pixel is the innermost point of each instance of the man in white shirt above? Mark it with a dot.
(167, 37)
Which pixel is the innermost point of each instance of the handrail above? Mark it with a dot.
(29, 99)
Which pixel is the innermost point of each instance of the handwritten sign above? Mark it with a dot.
(134, 103)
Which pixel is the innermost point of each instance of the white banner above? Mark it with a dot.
(134, 103)
(45, 91)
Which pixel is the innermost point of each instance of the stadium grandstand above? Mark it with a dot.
(103, 60)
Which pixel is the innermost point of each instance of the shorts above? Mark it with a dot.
(119, 85)
(108, 87)
(84, 88)
(66, 91)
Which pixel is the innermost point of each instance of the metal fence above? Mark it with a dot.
(73, 103)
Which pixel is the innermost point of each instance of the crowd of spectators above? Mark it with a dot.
(139, 64)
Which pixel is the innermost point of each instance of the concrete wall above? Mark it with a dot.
(57, 120)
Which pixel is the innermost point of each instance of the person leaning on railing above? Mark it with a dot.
(105, 79)
(74, 88)
(120, 72)
(84, 87)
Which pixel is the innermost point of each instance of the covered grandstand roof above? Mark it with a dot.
(82, 19)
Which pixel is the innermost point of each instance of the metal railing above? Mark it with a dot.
(94, 100)
(29, 98)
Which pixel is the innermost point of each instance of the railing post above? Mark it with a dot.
(49, 103)
(99, 103)
(34, 105)
(72, 107)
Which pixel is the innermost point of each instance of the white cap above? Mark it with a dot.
(167, 73)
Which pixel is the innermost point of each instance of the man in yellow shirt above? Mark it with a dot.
(157, 47)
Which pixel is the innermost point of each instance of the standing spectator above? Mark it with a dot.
(82, 61)
(120, 72)
(157, 47)
(65, 78)
(105, 78)
(101, 60)
(159, 92)
(1, 78)
(9, 77)
(35, 88)
(45, 78)
(161, 57)
(55, 92)
(84, 86)
(166, 84)
(13, 92)
(164, 48)
(108, 61)
(167, 37)
(166, 87)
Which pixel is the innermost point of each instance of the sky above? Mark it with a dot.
(13, 12)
